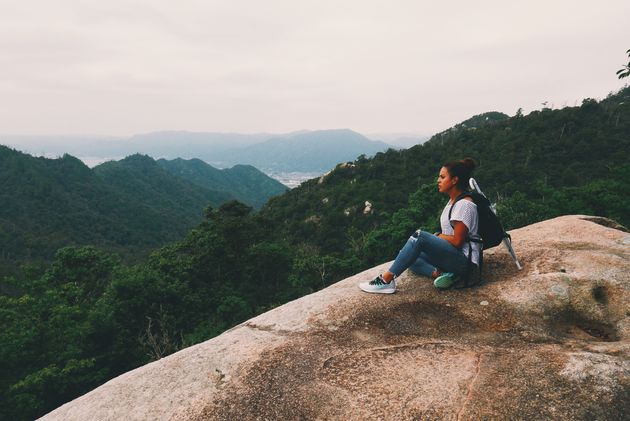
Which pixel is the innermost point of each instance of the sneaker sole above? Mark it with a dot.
(381, 291)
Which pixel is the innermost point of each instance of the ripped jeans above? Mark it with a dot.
(424, 252)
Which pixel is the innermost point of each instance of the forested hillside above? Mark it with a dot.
(140, 177)
(129, 206)
(242, 182)
(50, 203)
(90, 318)
(547, 163)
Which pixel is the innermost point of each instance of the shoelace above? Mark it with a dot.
(378, 281)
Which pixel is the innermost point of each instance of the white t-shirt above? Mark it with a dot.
(466, 212)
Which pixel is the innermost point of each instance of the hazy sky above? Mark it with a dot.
(119, 67)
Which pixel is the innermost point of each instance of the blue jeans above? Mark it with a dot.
(424, 252)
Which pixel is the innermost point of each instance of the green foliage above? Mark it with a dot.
(129, 206)
(47, 354)
(625, 70)
(559, 149)
(608, 197)
(52, 203)
(89, 317)
(423, 212)
(241, 182)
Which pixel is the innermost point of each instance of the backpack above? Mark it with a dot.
(490, 234)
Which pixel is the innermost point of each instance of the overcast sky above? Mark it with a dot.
(119, 67)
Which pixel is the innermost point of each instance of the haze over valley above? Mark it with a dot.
(289, 158)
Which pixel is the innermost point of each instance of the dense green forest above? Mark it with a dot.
(129, 206)
(242, 182)
(90, 317)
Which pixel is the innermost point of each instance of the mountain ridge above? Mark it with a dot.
(319, 150)
(242, 182)
(125, 206)
(218, 149)
(534, 165)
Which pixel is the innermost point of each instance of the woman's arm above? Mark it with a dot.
(459, 236)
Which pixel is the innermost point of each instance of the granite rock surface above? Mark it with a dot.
(551, 341)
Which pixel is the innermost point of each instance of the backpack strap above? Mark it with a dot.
(468, 266)
(469, 238)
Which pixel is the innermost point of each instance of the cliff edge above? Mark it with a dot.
(551, 341)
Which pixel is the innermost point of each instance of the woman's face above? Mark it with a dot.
(445, 182)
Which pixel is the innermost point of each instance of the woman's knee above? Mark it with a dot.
(412, 242)
(407, 246)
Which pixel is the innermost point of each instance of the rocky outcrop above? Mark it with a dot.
(551, 341)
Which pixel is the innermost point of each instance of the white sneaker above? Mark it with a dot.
(379, 286)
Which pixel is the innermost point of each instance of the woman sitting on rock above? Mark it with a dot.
(443, 256)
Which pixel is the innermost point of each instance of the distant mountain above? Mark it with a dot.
(308, 151)
(182, 144)
(302, 151)
(243, 182)
(165, 144)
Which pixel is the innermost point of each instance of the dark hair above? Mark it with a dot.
(462, 170)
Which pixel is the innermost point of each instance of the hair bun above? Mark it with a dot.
(470, 163)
